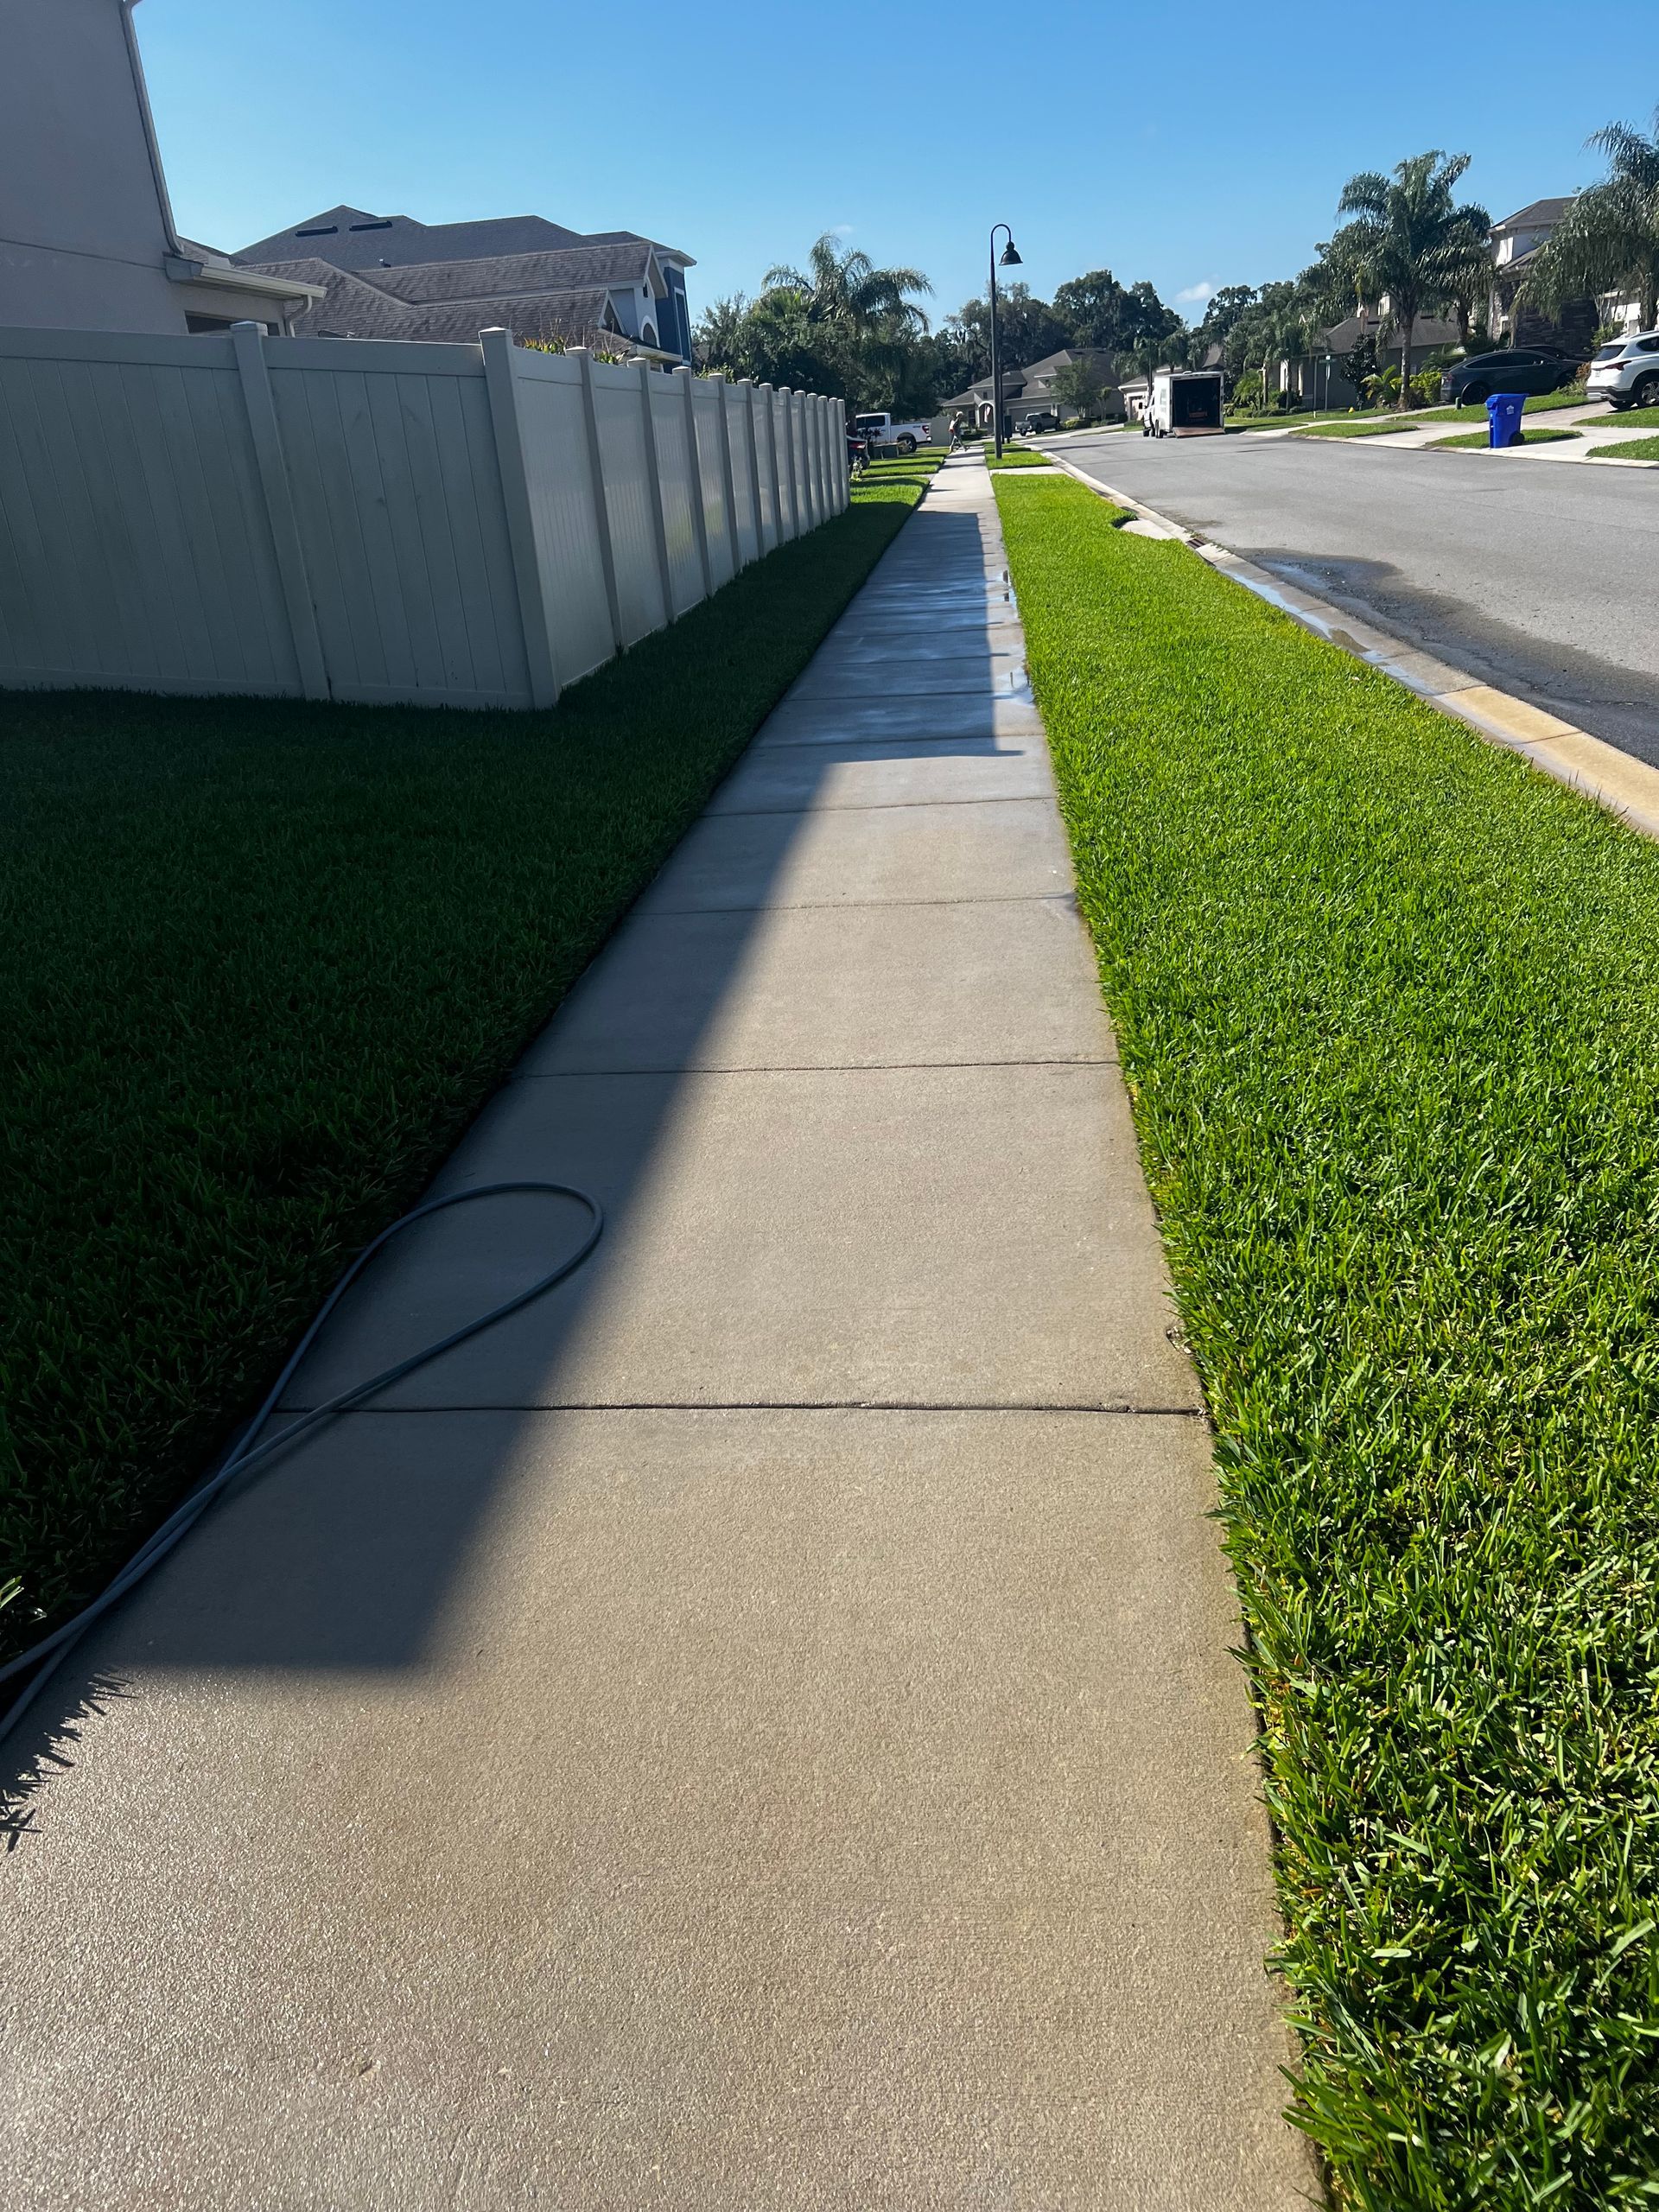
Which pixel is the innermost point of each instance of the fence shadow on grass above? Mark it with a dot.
(338, 1560)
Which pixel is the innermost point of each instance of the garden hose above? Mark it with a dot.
(249, 1451)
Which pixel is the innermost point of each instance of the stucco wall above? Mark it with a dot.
(82, 231)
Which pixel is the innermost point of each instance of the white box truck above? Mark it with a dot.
(1184, 404)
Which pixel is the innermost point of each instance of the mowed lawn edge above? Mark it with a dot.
(265, 962)
(1386, 1003)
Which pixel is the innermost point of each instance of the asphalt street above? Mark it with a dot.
(1543, 579)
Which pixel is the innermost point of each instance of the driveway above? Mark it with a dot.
(1538, 581)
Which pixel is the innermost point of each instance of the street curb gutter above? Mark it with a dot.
(1626, 787)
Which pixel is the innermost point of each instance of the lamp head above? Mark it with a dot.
(1009, 256)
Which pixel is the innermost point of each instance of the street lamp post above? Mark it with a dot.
(1010, 259)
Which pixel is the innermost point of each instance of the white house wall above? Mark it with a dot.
(371, 520)
(83, 230)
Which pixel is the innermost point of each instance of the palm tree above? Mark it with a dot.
(1409, 240)
(849, 290)
(1608, 240)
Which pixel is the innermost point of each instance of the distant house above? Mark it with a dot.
(392, 276)
(1509, 313)
(88, 240)
(1025, 391)
(1516, 242)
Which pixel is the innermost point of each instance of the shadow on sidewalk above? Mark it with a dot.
(344, 1584)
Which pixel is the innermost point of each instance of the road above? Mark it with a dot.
(1543, 581)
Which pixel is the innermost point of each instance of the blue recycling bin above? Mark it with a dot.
(1503, 412)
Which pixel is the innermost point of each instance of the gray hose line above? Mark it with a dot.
(248, 1453)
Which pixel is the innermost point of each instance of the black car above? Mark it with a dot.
(1528, 368)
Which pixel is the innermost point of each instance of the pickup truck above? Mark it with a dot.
(878, 430)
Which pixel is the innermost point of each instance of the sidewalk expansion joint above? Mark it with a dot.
(838, 905)
(1127, 1409)
(810, 1067)
(877, 806)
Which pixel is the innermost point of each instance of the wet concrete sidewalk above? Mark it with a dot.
(756, 1730)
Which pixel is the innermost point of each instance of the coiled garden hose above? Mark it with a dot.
(249, 1451)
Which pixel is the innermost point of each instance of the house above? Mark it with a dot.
(1317, 379)
(393, 276)
(1509, 313)
(1026, 390)
(1516, 242)
(88, 240)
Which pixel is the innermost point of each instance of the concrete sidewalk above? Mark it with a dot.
(756, 1732)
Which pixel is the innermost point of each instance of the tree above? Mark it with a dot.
(717, 338)
(1409, 240)
(1028, 328)
(1608, 240)
(1222, 310)
(1081, 385)
(840, 325)
(849, 291)
(1094, 309)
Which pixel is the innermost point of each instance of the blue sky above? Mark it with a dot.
(738, 132)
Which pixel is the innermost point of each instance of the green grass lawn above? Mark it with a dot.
(1017, 457)
(1631, 449)
(264, 962)
(1548, 403)
(1277, 422)
(1633, 418)
(1386, 428)
(1387, 1002)
(1471, 439)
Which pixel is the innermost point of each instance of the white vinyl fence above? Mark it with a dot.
(369, 519)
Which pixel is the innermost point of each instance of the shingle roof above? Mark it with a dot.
(357, 308)
(1534, 215)
(1428, 330)
(569, 269)
(352, 238)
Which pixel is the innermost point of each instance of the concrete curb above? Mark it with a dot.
(1625, 786)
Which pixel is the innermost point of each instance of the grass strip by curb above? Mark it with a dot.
(265, 962)
(1388, 1003)
(1361, 430)
(1472, 440)
(1017, 457)
(1628, 449)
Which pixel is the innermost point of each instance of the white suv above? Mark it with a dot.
(1627, 372)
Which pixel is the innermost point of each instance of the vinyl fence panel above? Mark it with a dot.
(568, 508)
(675, 463)
(738, 402)
(133, 546)
(714, 468)
(628, 499)
(402, 526)
(374, 520)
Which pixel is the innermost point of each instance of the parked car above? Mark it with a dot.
(881, 430)
(1627, 372)
(1528, 368)
(1042, 419)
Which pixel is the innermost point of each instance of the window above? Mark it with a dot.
(1647, 346)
